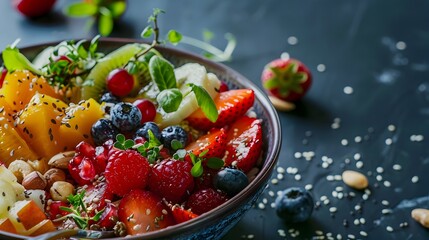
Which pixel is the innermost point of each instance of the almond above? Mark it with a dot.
(34, 181)
(421, 215)
(61, 160)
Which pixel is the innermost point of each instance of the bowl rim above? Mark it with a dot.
(260, 179)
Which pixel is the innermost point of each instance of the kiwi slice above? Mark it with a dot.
(95, 83)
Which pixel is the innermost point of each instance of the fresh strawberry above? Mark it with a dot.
(53, 210)
(172, 179)
(182, 215)
(244, 143)
(286, 79)
(206, 179)
(143, 211)
(96, 195)
(214, 142)
(33, 8)
(109, 217)
(125, 171)
(230, 105)
(205, 200)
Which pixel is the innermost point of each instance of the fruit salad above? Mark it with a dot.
(121, 141)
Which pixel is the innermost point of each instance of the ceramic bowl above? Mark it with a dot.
(217, 222)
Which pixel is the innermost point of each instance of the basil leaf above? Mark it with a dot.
(162, 73)
(105, 22)
(197, 169)
(215, 163)
(205, 102)
(169, 99)
(81, 9)
(174, 37)
(14, 60)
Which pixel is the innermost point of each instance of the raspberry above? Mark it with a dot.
(205, 200)
(172, 179)
(126, 170)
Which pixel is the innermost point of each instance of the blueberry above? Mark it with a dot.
(143, 131)
(294, 205)
(103, 130)
(125, 116)
(230, 180)
(174, 132)
(108, 97)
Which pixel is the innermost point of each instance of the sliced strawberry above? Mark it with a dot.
(230, 105)
(286, 79)
(143, 211)
(109, 217)
(172, 179)
(53, 210)
(97, 195)
(125, 171)
(205, 200)
(214, 142)
(244, 143)
(182, 215)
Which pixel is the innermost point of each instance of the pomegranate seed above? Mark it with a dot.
(147, 108)
(85, 149)
(120, 82)
(223, 87)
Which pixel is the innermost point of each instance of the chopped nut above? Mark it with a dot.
(39, 165)
(61, 160)
(54, 175)
(34, 181)
(355, 179)
(20, 169)
(421, 215)
(60, 190)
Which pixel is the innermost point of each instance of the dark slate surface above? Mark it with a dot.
(361, 45)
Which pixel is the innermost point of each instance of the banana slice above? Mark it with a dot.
(189, 73)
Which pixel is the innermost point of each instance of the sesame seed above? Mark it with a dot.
(387, 184)
(358, 139)
(321, 67)
(362, 220)
(271, 193)
(359, 164)
(279, 176)
(388, 141)
(379, 178)
(348, 90)
(356, 222)
(281, 170)
(281, 232)
(385, 202)
(298, 155)
(285, 56)
(344, 142)
(363, 233)
(386, 211)
(357, 156)
(308, 187)
(274, 181)
(401, 45)
(323, 198)
(330, 178)
(414, 179)
(292, 40)
(379, 170)
(351, 236)
(397, 167)
(389, 229)
(332, 209)
(298, 177)
(338, 177)
(391, 128)
(365, 196)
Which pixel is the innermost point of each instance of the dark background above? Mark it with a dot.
(361, 44)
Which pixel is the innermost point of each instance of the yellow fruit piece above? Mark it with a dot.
(12, 145)
(39, 124)
(7, 226)
(77, 123)
(20, 86)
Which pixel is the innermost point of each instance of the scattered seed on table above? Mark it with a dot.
(348, 90)
(379, 178)
(387, 184)
(379, 170)
(298, 155)
(281, 232)
(385, 202)
(386, 211)
(389, 229)
(388, 141)
(298, 177)
(362, 220)
(292, 40)
(358, 139)
(363, 233)
(391, 128)
(308, 187)
(321, 67)
(356, 222)
(285, 56)
(397, 167)
(351, 236)
(281, 170)
(415, 179)
(344, 142)
(357, 156)
(359, 164)
(401, 45)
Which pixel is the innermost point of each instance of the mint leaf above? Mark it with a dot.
(215, 163)
(81, 49)
(105, 22)
(169, 99)
(120, 138)
(94, 45)
(162, 73)
(205, 102)
(174, 37)
(197, 169)
(14, 60)
(175, 144)
(147, 32)
(117, 8)
(81, 9)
